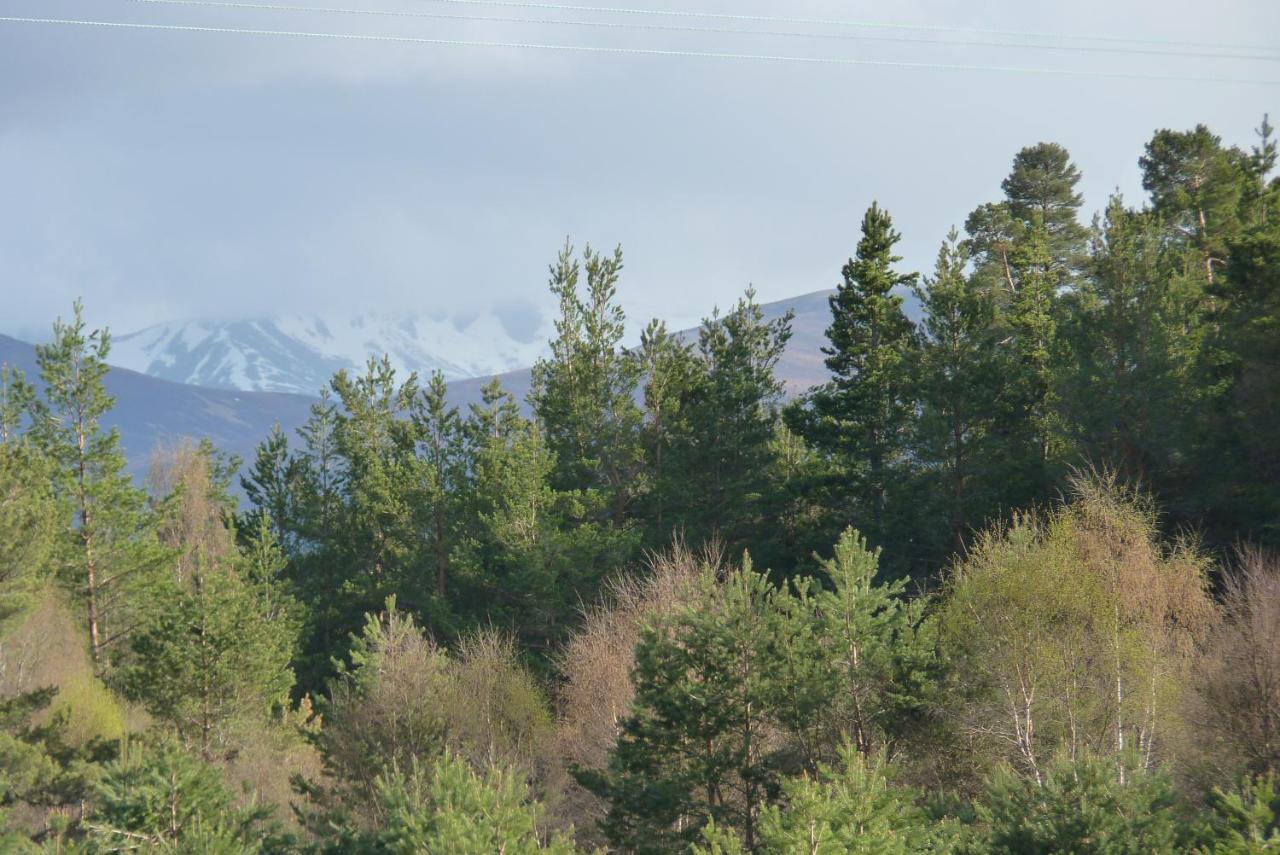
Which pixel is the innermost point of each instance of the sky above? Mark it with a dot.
(165, 174)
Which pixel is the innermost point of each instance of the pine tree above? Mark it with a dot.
(30, 524)
(377, 443)
(159, 796)
(321, 471)
(532, 553)
(216, 651)
(721, 452)
(861, 416)
(670, 372)
(1237, 460)
(116, 558)
(1080, 807)
(584, 392)
(1042, 188)
(1027, 402)
(451, 808)
(16, 395)
(271, 485)
(849, 808)
(710, 682)
(1196, 186)
(442, 478)
(1133, 332)
(957, 378)
(881, 650)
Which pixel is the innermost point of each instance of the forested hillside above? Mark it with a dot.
(1005, 581)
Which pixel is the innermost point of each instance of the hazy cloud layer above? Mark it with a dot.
(165, 175)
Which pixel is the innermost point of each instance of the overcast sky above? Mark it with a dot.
(165, 174)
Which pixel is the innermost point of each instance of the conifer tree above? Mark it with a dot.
(442, 477)
(321, 471)
(670, 372)
(451, 808)
(584, 392)
(113, 557)
(216, 652)
(1042, 188)
(849, 808)
(1134, 333)
(16, 395)
(159, 796)
(271, 484)
(377, 443)
(861, 416)
(1196, 187)
(710, 683)
(533, 553)
(956, 377)
(30, 524)
(1027, 402)
(881, 650)
(722, 452)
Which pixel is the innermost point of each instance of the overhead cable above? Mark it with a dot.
(633, 51)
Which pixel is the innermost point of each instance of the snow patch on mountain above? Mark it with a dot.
(300, 353)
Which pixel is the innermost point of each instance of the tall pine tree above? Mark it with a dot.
(861, 416)
(113, 558)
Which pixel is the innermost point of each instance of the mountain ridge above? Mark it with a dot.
(152, 411)
(299, 353)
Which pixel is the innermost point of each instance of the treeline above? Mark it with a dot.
(521, 628)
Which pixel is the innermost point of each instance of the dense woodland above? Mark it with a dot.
(1005, 584)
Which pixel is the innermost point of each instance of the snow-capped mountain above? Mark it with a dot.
(301, 353)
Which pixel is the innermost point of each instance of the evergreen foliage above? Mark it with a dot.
(443, 628)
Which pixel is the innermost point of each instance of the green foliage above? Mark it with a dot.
(849, 808)
(879, 647)
(402, 702)
(1088, 806)
(160, 797)
(584, 392)
(752, 683)
(16, 395)
(112, 558)
(1041, 188)
(383, 711)
(217, 653)
(453, 809)
(39, 767)
(30, 523)
(709, 681)
(533, 553)
(1074, 630)
(719, 426)
(956, 375)
(1027, 251)
(441, 480)
(861, 416)
(1245, 820)
(1134, 339)
(270, 485)
(1196, 186)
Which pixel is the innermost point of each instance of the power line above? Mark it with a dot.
(678, 28)
(778, 19)
(630, 51)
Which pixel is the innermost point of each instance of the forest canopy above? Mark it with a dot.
(1007, 581)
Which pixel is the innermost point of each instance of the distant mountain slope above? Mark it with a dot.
(150, 410)
(299, 354)
(801, 366)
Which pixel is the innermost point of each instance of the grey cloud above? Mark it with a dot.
(166, 175)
